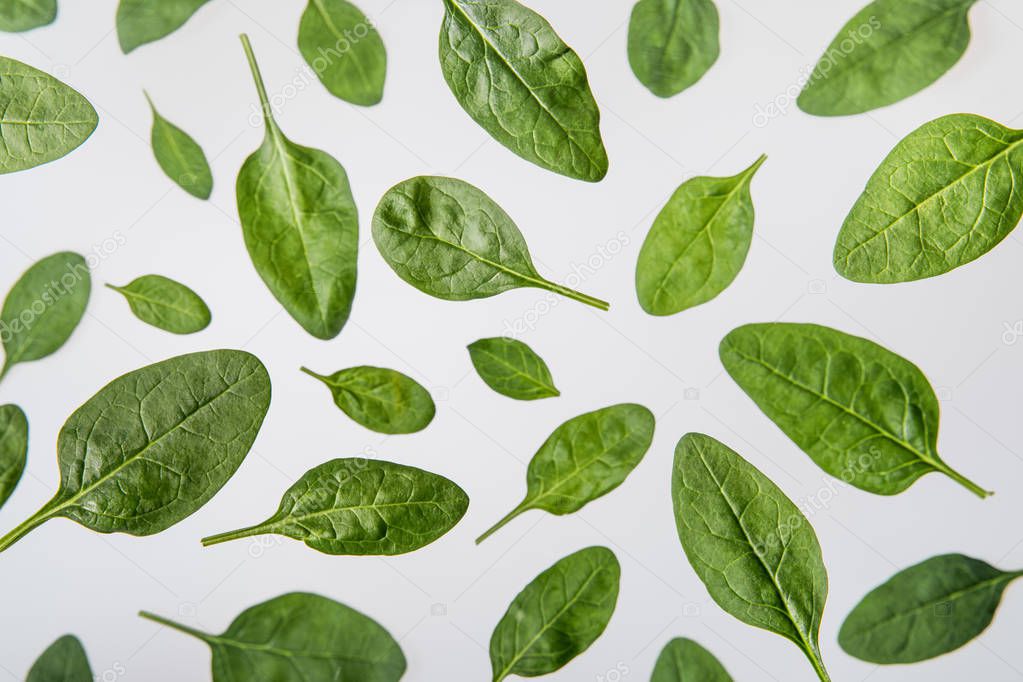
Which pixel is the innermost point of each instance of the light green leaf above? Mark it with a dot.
(144, 21)
(13, 449)
(344, 50)
(166, 304)
(382, 400)
(180, 157)
(63, 661)
(683, 660)
(512, 368)
(672, 43)
(24, 15)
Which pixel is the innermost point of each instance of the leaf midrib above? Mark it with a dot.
(499, 359)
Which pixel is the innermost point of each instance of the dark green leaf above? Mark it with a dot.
(750, 545)
(515, 77)
(862, 413)
(557, 616)
(927, 610)
(946, 195)
(672, 43)
(24, 15)
(300, 637)
(144, 21)
(511, 368)
(43, 308)
(156, 444)
(63, 661)
(585, 458)
(13, 449)
(344, 50)
(450, 240)
(180, 157)
(300, 224)
(363, 507)
(890, 50)
(698, 243)
(41, 118)
(166, 304)
(683, 660)
(382, 400)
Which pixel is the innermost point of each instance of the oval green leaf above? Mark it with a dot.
(144, 21)
(180, 157)
(890, 50)
(13, 449)
(363, 507)
(43, 308)
(344, 50)
(946, 195)
(41, 118)
(698, 243)
(512, 368)
(300, 637)
(24, 15)
(300, 224)
(382, 400)
(750, 545)
(557, 616)
(672, 43)
(63, 661)
(861, 412)
(683, 660)
(927, 610)
(450, 240)
(156, 444)
(166, 304)
(585, 458)
(518, 79)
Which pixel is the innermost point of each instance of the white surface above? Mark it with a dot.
(63, 578)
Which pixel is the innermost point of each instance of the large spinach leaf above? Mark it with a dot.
(862, 413)
(24, 15)
(585, 458)
(144, 21)
(13, 449)
(557, 616)
(517, 78)
(683, 660)
(300, 637)
(180, 157)
(156, 444)
(382, 400)
(344, 50)
(166, 304)
(512, 368)
(672, 43)
(750, 545)
(63, 661)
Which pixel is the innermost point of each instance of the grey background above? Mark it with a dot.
(109, 198)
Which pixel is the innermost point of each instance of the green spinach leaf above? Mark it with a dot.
(450, 240)
(683, 660)
(144, 21)
(24, 15)
(585, 458)
(927, 610)
(750, 545)
(156, 444)
(698, 243)
(180, 157)
(300, 224)
(41, 118)
(862, 413)
(344, 50)
(166, 304)
(672, 43)
(512, 368)
(518, 79)
(300, 637)
(363, 507)
(382, 400)
(946, 195)
(63, 661)
(557, 616)
(13, 449)
(43, 308)
(890, 50)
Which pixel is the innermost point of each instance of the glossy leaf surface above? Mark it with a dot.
(180, 157)
(382, 400)
(344, 50)
(144, 21)
(13, 448)
(24, 15)
(672, 43)
(166, 304)
(63, 661)
(512, 368)
(683, 660)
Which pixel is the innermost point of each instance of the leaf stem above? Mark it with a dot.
(23, 528)
(818, 667)
(313, 374)
(257, 76)
(965, 482)
(233, 535)
(577, 296)
(503, 522)
(206, 637)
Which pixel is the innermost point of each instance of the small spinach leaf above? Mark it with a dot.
(557, 616)
(450, 240)
(41, 118)
(300, 637)
(24, 15)
(363, 507)
(144, 21)
(180, 157)
(890, 50)
(344, 50)
(672, 43)
(862, 413)
(698, 243)
(516, 78)
(166, 304)
(300, 224)
(585, 458)
(63, 661)
(512, 368)
(382, 400)
(156, 444)
(43, 308)
(13, 448)
(946, 195)
(683, 660)
(927, 610)
(750, 545)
